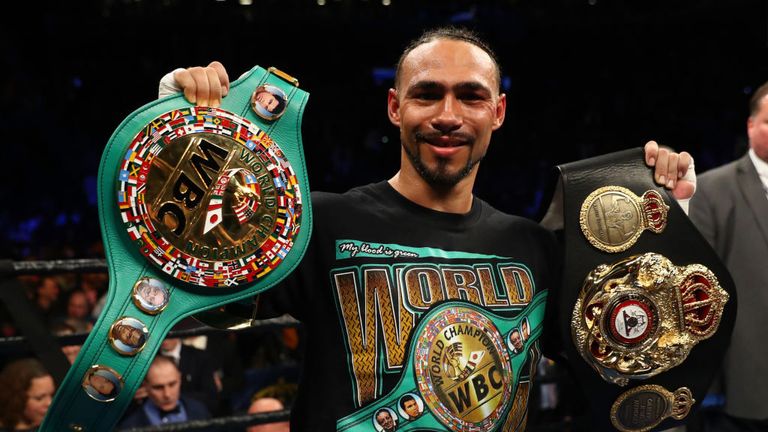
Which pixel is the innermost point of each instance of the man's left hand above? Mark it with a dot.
(671, 169)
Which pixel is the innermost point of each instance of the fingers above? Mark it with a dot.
(223, 76)
(204, 85)
(651, 150)
(660, 174)
(187, 83)
(671, 170)
(214, 88)
(683, 163)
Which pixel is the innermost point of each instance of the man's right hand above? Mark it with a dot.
(204, 86)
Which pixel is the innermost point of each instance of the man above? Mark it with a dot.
(517, 341)
(731, 211)
(102, 385)
(198, 372)
(267, 404)
(385, 420)
(128, 335)
(410, 406)
(77, 306)
(154, 295)
(382, 254)
(267, 100)
(165, 404)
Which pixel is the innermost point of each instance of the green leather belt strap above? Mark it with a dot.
(462, 373)
(199, 207)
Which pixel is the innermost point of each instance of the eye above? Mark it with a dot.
(427, 95)
(473, 96)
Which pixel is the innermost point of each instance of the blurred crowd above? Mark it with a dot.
(250, 372)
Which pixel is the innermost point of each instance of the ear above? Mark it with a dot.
(501, 111)
(750, 125)
(393, 107)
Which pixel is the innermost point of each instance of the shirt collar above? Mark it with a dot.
(175, 353)
(156, 416)
(761, 167)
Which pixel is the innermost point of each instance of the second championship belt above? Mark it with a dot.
(646, 307)
(199, 207)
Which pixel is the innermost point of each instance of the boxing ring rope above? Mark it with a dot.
(228, 423)
(39, 341)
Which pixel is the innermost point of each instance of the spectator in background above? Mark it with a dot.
(267, 404)
(47, 295)
(77, 313)
(26, 391)
(77, 306)
(730, 209)
(62, 328)
(165, 402)
(198, 373)
(94, 285)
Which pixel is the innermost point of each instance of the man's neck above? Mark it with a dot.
(455, 199)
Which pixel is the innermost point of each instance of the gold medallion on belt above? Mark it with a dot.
(612, 217)
(642, 316)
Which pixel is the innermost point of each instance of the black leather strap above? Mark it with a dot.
(680, 242)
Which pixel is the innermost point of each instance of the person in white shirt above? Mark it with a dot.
(730, 209)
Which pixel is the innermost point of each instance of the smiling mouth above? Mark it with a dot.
(454, 139)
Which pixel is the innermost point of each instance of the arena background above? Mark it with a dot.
(583, 77)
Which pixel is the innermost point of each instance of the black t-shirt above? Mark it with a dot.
(375, 263)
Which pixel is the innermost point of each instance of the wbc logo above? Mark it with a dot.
(209, 198)
(463, 369)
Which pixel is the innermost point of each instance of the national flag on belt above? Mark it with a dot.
(155, 259)
(474, 358)
(155, 148)
(133, 233)
(213, 216)
(123, 175)
(168, 267)
(279, 183)
(243, 211)
(156, 135)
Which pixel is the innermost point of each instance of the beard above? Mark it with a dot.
(439, 176)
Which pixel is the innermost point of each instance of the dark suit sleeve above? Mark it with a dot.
(135, 419)
(196, 410)
(702, 212)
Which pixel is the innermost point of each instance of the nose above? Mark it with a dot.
(449, 118)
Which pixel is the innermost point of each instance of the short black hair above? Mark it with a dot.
(462, 34)
(405, 399)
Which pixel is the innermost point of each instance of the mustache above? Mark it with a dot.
(456, 136)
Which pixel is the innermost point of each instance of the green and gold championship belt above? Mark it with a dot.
(199, 207)
(462, 374)
(651, 306)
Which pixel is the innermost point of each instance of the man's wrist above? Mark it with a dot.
(168, 85)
